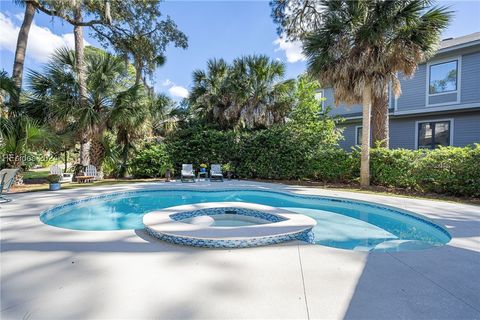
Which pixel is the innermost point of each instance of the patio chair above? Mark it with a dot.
(187, 173)
(7, 178)
(91, 170)
(216, 173)
(66, 177)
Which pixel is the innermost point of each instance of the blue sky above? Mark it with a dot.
(216, 29)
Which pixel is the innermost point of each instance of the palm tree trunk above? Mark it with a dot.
(97, 152)
(380, 129)
(124, 159)
(20, 51)
(65, 161)
(138, 72)
(82, 86)
(365, 156)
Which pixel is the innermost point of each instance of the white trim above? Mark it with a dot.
(322, 102)
(450, 129)
(356, 135)
(459, 81)
(439, 108)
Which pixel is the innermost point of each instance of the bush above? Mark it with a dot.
(394, 168)
(152, 161)
(450, 170)
(54, 178)
(197, 145)
(292, 152)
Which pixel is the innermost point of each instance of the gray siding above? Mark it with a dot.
(349, 136)
(341, 109)
(470, 78)
(466, 130)
(443, 98)
(413, 90)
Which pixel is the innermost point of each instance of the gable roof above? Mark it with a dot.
(450, 43)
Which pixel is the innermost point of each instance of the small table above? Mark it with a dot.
(200, 174)
(84, 179)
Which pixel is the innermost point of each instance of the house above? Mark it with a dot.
(439, 105)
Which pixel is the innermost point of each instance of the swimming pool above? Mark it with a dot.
(341, 223)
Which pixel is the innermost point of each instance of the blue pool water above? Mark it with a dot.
(346, 224)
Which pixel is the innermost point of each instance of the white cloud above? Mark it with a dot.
(178, 91)
(293, 49)
(42, 42)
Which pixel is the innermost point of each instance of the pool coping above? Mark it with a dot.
(161, 225)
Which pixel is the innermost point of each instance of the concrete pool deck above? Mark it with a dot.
(53, 273)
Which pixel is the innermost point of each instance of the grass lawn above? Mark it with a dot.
(36, 174)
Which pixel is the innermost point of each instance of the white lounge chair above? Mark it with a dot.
(66, 177)
(216, 173)
(187, 173)
(7, 178)
(90, 170)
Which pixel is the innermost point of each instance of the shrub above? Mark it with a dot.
(152, 161)
(450, 170)
(394, 168)
(294, 151)
(199, 145)
(334, 165)
(54, 178)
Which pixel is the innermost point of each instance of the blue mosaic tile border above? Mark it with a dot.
(305, 235)
(224, 210)
(47, 214)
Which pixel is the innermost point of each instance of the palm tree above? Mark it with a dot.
(249, 93)
(130, 117)
(362, 45)
(21, 49)
(261, 97)
(209, 97)
(18, 136)
(8, 92)
(165, 115)
(111, 96)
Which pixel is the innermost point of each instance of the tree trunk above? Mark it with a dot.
(97, 152)
(20, 51)
(82, 86)
(365, 156)
(123, 139)
(66, 160)
(138, 72)
(124, 158)
(380, 130)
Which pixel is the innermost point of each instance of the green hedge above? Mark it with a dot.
(449, 170)
(283, 152)
(152, 161)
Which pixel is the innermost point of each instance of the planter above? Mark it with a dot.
(203, 169)
(55, 186)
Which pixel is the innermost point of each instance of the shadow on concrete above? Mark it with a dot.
(439, 283)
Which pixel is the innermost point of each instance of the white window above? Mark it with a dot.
(358, 135)
(443, 77)
(319, 97)
(435, 133)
